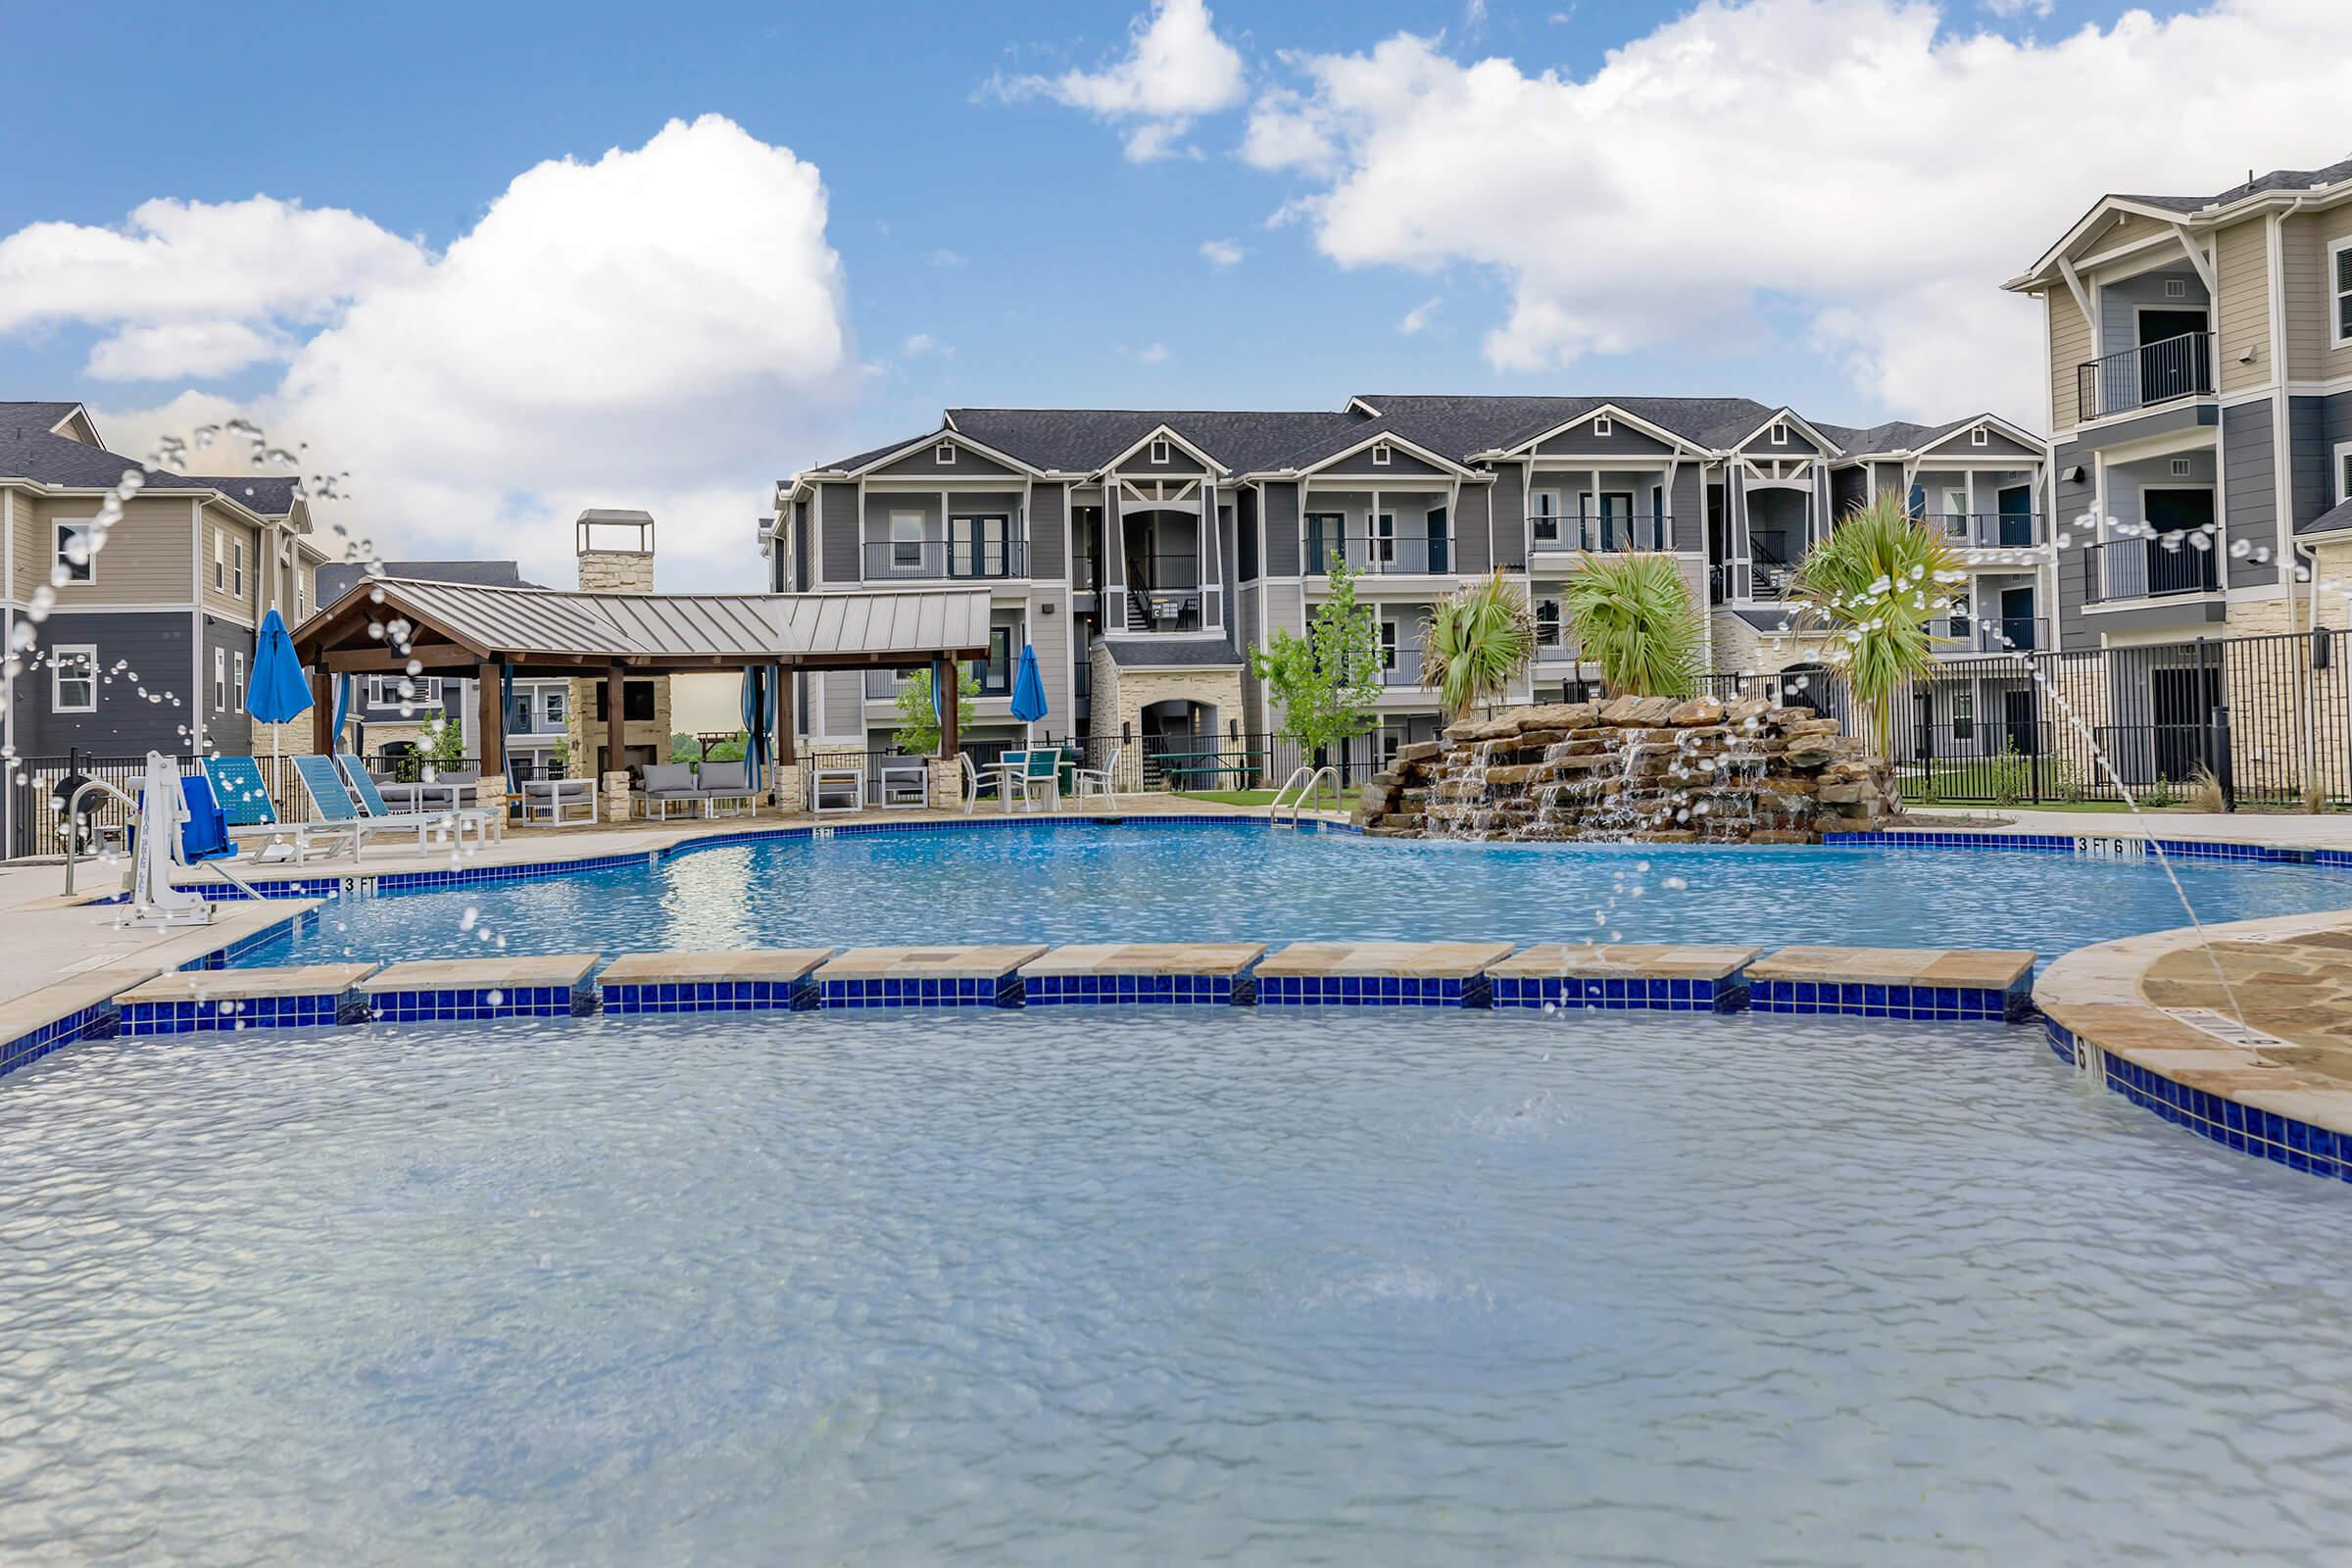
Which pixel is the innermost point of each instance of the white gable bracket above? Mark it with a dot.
(2198, 258)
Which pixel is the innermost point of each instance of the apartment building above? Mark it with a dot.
(148, 643)
(2199, 359)
(1143, 552)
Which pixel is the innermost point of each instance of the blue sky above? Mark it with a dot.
(999, 244)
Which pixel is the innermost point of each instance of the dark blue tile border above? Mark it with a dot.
(94, 1021)
(1371, 990)
(1001, 991)
(469, 1004)
(1127, 990)
(709, 996)
(1614, 995)
(228, 1014)
(2263, 1134)
(1860, 1000)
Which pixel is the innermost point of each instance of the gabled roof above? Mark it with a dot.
(1786, 416)
(2289, 180)
(272, 495)
(32, 449)
(335, 578)
(2279, 186)
(2336, 519)
(1363, 441)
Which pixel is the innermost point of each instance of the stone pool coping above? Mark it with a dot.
(2238, 1087)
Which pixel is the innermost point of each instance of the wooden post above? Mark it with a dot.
(951, 706)
(323, 712)
(617, 751)
(786, 679)
(492, 720)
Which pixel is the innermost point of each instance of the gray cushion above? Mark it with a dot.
(669, 778)
(724, 777)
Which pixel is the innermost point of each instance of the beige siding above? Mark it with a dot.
(2304, 242)
(231, 533)
(145, 561)
(2070, 346)
(2242, 312)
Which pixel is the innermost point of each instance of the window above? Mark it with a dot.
(384, 691)
(238, 691)
(554, 704)
(1547, 623)
(73, 679)
(73, 540)
(2343, 471)
(1388, 644)
(1384, 538)
(1326, 537)
(906, 541)
(944, 454)
(236, 571)
(1779, 433)
(2180, 467)
(220, 680)
(1159, 452)
(2175, 289)
(1980, 437)
(1546, 518)
(219, 560)
(1963, 616)
(1246, 539)
(302, 597)
(1379, 454)
(1964, 716)
(996, 676)
(1604, 425)
(2340, 268)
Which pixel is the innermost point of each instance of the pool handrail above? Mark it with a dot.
(1298, 803)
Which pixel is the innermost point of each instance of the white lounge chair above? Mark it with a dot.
(1086, 781)
(455, 818)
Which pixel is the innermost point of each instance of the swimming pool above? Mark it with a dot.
(1239, 881)
(1138, 1287)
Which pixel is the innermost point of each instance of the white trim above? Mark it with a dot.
(1979, 436)
(912, 447)
(1527, 448)
(1602, 426)
(2338, 486)
(1158, 433)
(57, 652)
(219, 679)
(1321, 466)
(57, 550)
(2337, 338)
(944, 454)
(237, 683)
(1379, 454)
(1161, 452)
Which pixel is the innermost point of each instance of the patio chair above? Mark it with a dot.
(669, 784)
(725, 781)
(553, 800)
(249, 813)
(446, 790)
(332, 798)
(457, 818)
(1086, 781)
(1039, 773)
(978, 782)
(836, 787)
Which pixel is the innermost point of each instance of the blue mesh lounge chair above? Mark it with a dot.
(249, 813)
(330, 797)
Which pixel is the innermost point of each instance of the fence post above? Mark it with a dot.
(2225, 769)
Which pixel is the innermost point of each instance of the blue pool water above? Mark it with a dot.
(1039, 882)
(1134, 1287)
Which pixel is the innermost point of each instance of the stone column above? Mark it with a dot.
(947, 784)
(612, 794)
(791, 789)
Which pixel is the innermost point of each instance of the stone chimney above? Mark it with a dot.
(615, 548)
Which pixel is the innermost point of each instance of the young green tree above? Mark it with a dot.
(1880, 583)
(1633, 616)
(1476, 642)
(1327, 681)
(917, 734)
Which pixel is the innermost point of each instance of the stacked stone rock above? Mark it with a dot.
(1651, 769)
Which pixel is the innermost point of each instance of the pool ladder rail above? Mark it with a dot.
(1303, 779)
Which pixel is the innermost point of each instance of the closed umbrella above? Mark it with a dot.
(280, 689)
(754, 708)
(1028, 690)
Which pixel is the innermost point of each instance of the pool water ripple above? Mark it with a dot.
(1036, 882)
(1132, 1287)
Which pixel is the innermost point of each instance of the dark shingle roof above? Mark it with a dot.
(1165, 653)
(335, 578)
(30, 450)
(270, 494)
(2336, 519)
(2286, 179)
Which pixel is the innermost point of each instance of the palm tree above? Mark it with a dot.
(1877, 584)
(1632, 614)
(1476, 644)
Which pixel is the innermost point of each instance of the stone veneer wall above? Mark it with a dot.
(1639, 767)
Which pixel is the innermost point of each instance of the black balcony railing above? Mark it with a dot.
(1987, 530)
(1617, 532)
(945, 559)
(1379, 554)
(2154, 373)
(2184, 562)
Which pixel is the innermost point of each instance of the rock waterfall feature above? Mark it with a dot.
(1651, 769)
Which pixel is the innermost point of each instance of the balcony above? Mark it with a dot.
(945, 559)
(1616, 533)
(1378, 553)
(1987, 530)
(2003, 634)
(2165, 566)
(2142, 378)
(1404, 668)
(882, 685)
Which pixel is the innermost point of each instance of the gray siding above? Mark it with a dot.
(1507, 518)
(1688, 507)
(1996, 445)
(2308, 456)
(1849, 488)
(230, 729)
(1797, 445)
(1474, 528)
(1179, 462)
(2119, 303)
(923, 465)
(1283, 542)
(1402, 465)
(1886, 476)
(836, 532)
(1049, 533)
(1622, 441)
(125, 724)
(2074, 499)
(2249, 481)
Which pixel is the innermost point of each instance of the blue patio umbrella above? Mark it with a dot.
(758, 710)
(280, 689)
(342, 712)
(1028, 689)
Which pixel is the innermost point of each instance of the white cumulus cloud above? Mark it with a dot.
(1877, 165)
(1221, 253)
(1176, 68)
(1418, 318)
(660, 327)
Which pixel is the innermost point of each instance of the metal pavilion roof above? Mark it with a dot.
(521, 624)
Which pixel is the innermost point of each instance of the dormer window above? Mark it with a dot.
(944, 454)
(1379, 454)
(1780, 435)
(1159, 452)
(1980, 437)
(1602, 426)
